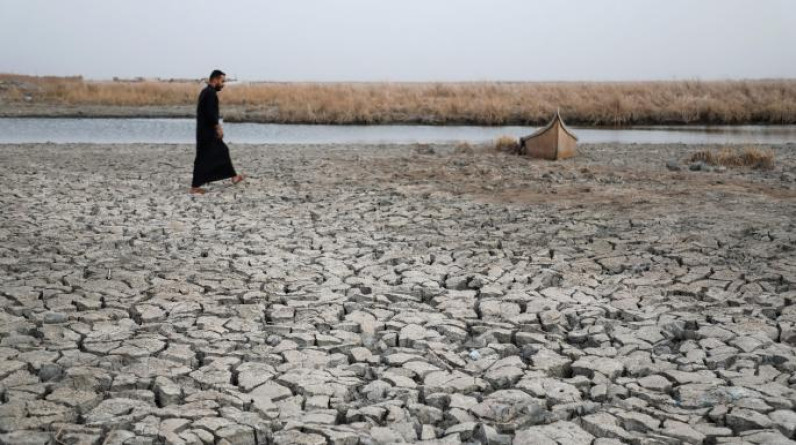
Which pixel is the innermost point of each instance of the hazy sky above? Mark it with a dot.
(401, 40)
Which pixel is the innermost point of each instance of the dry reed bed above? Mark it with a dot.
(484, 103)
(753, 157)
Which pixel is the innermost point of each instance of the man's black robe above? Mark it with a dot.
(212, 154)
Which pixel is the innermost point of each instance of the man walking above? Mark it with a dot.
(212, 161)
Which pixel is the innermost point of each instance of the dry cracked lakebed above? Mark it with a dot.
(395, 294)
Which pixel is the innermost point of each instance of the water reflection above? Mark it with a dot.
(179, 131)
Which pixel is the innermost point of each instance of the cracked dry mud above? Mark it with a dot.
(391, 294)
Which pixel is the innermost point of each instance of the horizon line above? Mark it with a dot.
(232, 79)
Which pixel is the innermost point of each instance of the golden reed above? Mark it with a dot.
(477, 103)
(753, 157)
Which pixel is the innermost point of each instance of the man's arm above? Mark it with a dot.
(215, 114)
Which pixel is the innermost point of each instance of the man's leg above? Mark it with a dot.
(196, 186)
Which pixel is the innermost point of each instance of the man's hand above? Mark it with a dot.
(219, 132)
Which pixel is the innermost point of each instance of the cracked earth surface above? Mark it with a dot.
(395, 294)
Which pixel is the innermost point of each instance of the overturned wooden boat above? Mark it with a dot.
(554, 141)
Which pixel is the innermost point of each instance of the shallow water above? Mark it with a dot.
(179, 131)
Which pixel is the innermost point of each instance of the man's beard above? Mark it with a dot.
(219, 87)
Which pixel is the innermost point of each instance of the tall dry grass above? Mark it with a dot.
(482, 103)
(753, 157)
(507, 144)
(75, 91)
